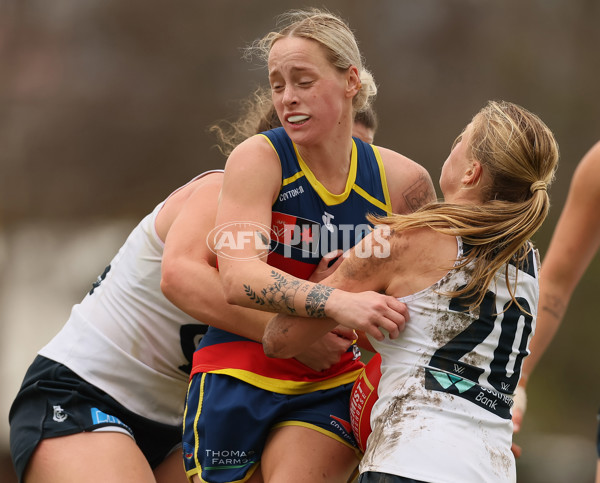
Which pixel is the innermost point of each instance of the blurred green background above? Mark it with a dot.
(105, 108)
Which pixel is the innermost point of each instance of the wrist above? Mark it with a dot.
(523, 380)
(333, 304)
(520, 399)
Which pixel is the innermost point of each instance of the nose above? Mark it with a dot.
(289, 95)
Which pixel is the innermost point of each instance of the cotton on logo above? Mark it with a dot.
(240, 240)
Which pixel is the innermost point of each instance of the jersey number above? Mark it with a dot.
(448, 356)
(190, 336)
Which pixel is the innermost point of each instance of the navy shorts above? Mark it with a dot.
(227, 421)
(54, 401)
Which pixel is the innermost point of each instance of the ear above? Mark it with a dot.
(353, 83)
(473, 174)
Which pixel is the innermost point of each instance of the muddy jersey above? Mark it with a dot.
(308, 222)
(126, 338)
(445, 394)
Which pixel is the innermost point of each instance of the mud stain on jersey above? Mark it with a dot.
(500, 461)
(396, 424)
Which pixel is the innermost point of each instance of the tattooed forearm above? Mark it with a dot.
(316, 299)
(278, 296)
(555, 307)
(420, 193)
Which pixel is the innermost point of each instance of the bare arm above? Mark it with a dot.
(252, 181)
(409, 183)
(286, 335)
(189, 277)
(574, 243)
(191, 281)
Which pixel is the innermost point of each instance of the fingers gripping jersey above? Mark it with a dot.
(446, 387)
(308, 222)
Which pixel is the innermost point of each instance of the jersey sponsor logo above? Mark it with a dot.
(296, 234)
(489, 399)
(59, 414)
(228, 458)
(305, 238)
(241, 240)
(342, 428)
(345, 424)
(286, 195)
(99, 417)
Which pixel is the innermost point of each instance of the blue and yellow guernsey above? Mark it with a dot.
(308, 222)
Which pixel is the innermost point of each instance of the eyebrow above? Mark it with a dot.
(293, 70)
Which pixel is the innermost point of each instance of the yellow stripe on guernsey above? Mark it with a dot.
(328, 197)
(386, 192)
(283, 386)
(333, 199)
(295, 176)
(292, 178)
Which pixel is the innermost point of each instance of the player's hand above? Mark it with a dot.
(371, 312)
(328, 350)
(327, 266)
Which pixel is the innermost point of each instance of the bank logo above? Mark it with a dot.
(241, 240)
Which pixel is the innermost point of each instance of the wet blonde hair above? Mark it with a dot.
(519, 156)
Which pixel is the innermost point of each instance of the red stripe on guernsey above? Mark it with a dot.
(246, 360)
(298, 268)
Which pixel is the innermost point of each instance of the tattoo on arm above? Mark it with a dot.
(316, 299)
(555, 307)
(278, 296)
(420, 193)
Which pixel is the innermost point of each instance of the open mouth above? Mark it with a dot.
(299, 119)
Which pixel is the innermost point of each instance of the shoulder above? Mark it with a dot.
(210, 181)
(253, 162)
(400, 262)
(256, 151)
(409, 183)
(204, 188)
(587, 172)
(584, 189)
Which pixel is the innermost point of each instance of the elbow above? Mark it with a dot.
(168, 283)
(229, 284)
(269, 348)
(275, 348)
